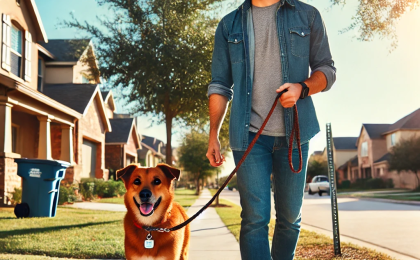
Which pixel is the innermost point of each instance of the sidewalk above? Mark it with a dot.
(210, 238)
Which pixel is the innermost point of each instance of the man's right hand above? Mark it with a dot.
(213, 153)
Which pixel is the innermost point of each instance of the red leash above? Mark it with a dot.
(294, 134)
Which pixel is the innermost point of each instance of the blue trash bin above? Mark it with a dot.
(40, 186)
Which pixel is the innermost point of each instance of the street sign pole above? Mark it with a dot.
(333, 192)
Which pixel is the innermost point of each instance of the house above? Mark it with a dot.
(90, 129)
(344, 148)
(26, 114)
(121, 144)
(151, 152)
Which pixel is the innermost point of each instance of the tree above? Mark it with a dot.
(316, 167)
(378, 17)
(405, 156)
(159, 52)
(192, 157)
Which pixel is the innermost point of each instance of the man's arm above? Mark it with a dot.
(217, 111)
(323, 70)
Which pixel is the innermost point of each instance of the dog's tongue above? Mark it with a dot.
(146, 208)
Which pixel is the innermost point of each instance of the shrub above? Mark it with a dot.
(344, 184)
(87, 187)
(66, 195)
(91, 188)
(16, 196)
(376, 183)
(389, 183)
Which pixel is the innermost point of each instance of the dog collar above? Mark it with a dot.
(137, 225)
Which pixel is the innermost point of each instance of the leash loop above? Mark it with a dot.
(295, 134)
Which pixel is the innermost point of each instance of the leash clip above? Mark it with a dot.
(163, 230)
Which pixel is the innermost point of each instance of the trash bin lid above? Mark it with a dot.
(41, 161)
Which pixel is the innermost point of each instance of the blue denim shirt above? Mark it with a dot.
(303, 45)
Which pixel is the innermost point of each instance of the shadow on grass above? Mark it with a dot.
(7, 218)
(5, 234)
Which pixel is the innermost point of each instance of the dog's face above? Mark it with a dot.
(149, 191)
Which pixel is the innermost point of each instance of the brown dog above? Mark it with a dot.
(150, 202)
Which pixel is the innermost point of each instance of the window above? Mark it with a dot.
(323, 179)
(364, 152)
(393, 137)
(16, 51)
(40, 75)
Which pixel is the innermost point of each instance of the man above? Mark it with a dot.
(264, 47)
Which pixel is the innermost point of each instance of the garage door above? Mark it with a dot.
(89, 159)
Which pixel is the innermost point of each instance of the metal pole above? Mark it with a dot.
(333, 191)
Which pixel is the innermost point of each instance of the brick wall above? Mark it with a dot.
(8, 179)
(113, 157)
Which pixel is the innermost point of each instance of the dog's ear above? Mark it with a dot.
(170, 172)
(125, 173)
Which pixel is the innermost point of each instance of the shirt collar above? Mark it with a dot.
(248, 3)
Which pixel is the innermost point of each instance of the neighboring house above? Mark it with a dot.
(405, 128)
(371, 146)
(151, 152)
(343, 150)
(89, 131)
(121, 144)
(27, 115)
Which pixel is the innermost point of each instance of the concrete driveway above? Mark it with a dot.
(392, 227)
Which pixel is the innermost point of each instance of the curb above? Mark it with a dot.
(412, 203)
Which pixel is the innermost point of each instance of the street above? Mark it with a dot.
(388, 225)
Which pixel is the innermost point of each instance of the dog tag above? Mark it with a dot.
(149, 243)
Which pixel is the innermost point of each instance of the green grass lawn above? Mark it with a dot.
(311, 245)
(184, 197)
(72, 233)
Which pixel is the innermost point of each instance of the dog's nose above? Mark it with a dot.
(145, 195)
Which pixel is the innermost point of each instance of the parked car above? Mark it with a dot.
(319, 184)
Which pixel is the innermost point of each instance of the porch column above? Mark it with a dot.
(67, 144)
(5, 126)
(44, 144)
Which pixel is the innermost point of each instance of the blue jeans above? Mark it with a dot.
(270, 156)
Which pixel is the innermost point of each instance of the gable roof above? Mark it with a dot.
(108, 97)
(375, 131)
(77, 97)
(353, 162)
(411, 121)
(33, 11)
(152, 142)
(345, 143)
(66, 49)
(105, 94)
(122, 128)
(386, 157)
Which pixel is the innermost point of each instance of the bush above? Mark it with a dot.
(376, 183)
(389, 184)
(91, 188)
(16, 196)
(344, 184)
(66, 195)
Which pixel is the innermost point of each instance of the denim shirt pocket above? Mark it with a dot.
(236, 47)
(300, 40)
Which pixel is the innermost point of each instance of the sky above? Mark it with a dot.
(373, 84)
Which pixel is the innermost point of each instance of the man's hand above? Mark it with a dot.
(290, 98)
(213, 153)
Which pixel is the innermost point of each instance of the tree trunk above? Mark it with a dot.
(418, 181)
(168, 140)
(197, 190)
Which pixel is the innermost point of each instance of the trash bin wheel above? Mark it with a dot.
(22, 210)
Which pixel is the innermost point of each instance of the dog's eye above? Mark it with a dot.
(157, 182)
(137, 182)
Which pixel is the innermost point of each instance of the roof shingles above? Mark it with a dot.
(121, 129)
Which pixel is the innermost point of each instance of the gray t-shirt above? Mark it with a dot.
(267, 72)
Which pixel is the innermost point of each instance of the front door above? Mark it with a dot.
(89, 159)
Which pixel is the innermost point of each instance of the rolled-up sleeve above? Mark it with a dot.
(321, 58)
(221, 72)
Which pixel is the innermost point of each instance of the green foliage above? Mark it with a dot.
(192, 156)
(378, 18)
(66, 195)
(316, 167)
(91, 188)
(160, 53)
(344, 184)
(405, 156)
(233, 183)
(16, 196)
